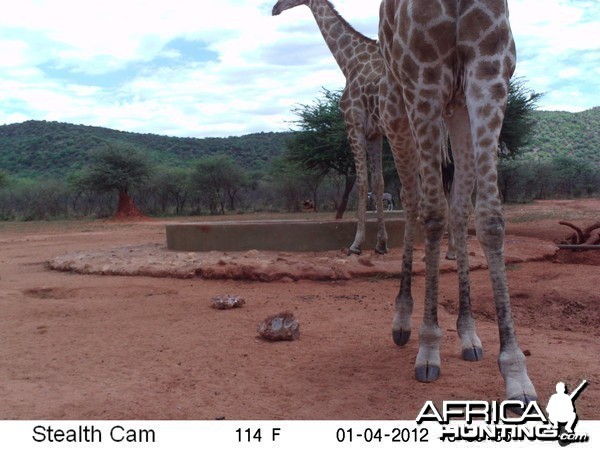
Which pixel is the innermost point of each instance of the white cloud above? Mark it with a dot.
(235, 69)
(570, 72)
(13, 53)
(558, 45)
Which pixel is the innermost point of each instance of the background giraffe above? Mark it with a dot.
(361, 62)
(452, 61)
(367, 115)
(379, 108)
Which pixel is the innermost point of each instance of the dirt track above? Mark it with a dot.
(78, 346)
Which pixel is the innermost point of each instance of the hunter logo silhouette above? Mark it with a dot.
(561, 408)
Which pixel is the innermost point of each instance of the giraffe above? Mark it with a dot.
(361, 62)
(452, 61)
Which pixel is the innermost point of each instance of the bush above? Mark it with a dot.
(563, 177)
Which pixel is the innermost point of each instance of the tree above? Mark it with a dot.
(171, 187)
(518, 124)
(321, 145)
(117, 168)
(283, 178)
(514, 180)
(34, 199)
(574, 177)
(218, 179)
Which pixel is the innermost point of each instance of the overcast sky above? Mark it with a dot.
(227, 67)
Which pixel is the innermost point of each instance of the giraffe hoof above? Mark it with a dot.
(427, 373)
(354, 251)
(401, 337)
(525, 400)
(472, 354)
(381, 250)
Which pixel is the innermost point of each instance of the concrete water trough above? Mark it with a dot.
(279, 235)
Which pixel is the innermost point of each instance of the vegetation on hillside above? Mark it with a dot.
(560, 133)
(43, 166)
(40, 148)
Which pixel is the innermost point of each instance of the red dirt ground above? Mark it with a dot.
(76, 346)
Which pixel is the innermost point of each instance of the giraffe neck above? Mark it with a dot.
(343, 40)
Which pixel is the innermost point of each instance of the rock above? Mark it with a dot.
(227, 301)
(365, 261)
(280, 327)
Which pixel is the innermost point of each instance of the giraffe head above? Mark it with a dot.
(282, 5)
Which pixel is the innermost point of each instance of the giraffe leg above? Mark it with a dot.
(489, 221)
(397, 130)
(401, 325)
(460, 194)
(433, 213)
(374, 151)
(359, 150)
(511, 359)
(451, 252)
(427, 365)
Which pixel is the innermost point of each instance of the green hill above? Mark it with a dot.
(36, 148)
(559, 133)
(40, 148)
